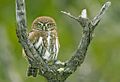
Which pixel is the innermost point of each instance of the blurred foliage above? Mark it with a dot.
(102, 63)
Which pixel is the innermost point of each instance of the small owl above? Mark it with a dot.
(44, 37)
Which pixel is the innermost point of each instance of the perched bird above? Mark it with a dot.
(43, 36)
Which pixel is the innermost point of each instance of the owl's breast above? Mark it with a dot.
(47, 44)
(43, 45)
(38, 43)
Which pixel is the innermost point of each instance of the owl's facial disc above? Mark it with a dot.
(44, 23)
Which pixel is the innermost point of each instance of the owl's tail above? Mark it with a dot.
(32, 71)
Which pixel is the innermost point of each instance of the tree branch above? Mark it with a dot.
(88, 28)
(35, 61)
(102, 11)
(56, 72)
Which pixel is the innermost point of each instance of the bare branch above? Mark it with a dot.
(71, 16)
(81, 19)
(98, 17)
(21, 25)
(78, 58)
(21, 13)
(32, 54)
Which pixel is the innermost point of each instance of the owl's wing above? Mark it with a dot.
(36, 37)
(32, 36)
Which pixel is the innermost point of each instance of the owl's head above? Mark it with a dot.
(44, 23)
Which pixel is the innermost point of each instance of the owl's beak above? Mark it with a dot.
(44, 28)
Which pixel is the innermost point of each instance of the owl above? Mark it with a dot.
(43, 36)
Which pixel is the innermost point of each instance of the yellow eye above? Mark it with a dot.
(40, 25)
(49, 25)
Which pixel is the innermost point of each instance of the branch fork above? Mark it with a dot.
(57, 72)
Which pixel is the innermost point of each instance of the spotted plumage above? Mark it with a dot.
(44, 37)
(46, 43)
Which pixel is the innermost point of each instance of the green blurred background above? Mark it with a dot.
(102, 63)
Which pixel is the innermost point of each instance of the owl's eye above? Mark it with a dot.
(49, 25)
(40, 25)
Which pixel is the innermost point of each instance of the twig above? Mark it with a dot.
(102, 11)
(68, 14)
